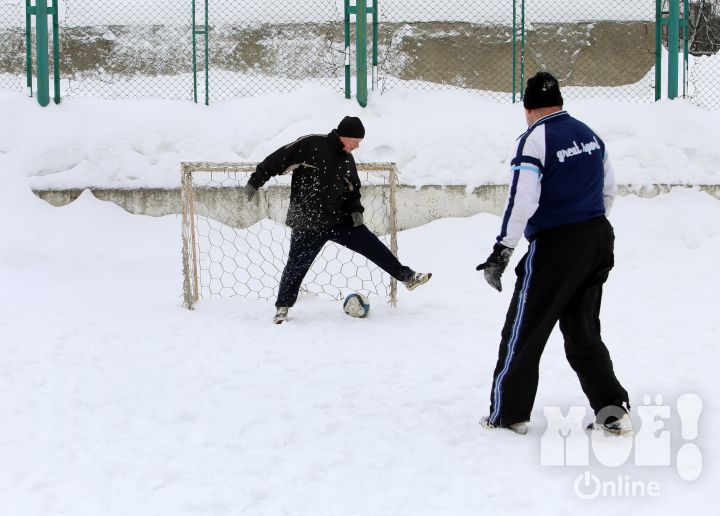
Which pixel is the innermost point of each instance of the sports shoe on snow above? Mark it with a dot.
(613, 425)
(519, 428)
(281, 315)
(417, 279)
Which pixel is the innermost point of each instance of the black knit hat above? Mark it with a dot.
(542, 90)
(352, 127)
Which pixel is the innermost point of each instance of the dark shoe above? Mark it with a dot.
(417, 279)
(281, 315)
(613, 425)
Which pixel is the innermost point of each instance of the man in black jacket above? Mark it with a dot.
(324, 205)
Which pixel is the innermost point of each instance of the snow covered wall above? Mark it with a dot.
(435, 138)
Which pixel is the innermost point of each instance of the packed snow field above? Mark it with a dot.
(116, 401)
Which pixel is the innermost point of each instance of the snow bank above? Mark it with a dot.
(449, 137)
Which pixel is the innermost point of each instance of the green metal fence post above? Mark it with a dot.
(522, 50)
(28, 46)
(514, 50)
(194, 31)
(374, 44)
(41, 42)
(348, 93)
(207, 56)
(361, 51)
(56, 52)
(204, 32)
(686, 43)
(658, 49)
(673, 48)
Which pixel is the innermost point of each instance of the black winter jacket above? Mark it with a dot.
(325, 187)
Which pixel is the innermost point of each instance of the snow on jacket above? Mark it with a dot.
(560, 175)
(325, 187)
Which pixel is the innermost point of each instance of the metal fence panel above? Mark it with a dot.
(130, 48)
(12, 45)
(704, 67)
(426, 44)
(469, 44)
(261, 46)
(704, 80)
(127, 48)
(593, 48)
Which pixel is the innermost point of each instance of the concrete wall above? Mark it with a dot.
(435, 201)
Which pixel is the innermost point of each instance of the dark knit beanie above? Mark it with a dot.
(352, 127)
(542, 90)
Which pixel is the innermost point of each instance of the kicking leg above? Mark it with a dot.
(364, 242)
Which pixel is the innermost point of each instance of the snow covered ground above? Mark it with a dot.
(116, 401)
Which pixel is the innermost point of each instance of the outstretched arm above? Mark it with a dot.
(278, 162)
(523, 200)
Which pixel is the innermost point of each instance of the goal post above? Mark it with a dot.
(235, 247)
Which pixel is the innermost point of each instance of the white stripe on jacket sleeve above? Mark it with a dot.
(526, 201)
(609, 186)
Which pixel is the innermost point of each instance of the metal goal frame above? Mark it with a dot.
(190, 249)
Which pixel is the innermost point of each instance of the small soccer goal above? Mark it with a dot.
(235, 247)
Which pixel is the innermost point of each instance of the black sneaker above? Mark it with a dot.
(614, 425)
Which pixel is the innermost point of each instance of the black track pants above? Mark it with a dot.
(559, 279)
(305, 246)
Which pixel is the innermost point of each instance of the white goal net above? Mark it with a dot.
(235, 247)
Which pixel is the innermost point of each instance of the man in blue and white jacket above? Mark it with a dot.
(562, 188)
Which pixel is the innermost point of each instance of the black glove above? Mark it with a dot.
(357, 218)
(250, 191)
(495, 265)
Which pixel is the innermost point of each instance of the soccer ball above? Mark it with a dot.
(356, 305)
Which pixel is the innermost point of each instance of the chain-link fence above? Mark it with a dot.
(12, 45)
(130, 48)
(594, 48)
(133, 48)
(704, 76)
(127, 48)
(261, 46)
(455, 43)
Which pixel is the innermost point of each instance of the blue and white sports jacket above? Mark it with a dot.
(560, 175)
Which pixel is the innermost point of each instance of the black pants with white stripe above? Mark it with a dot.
(305, 246)
(559, 279)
